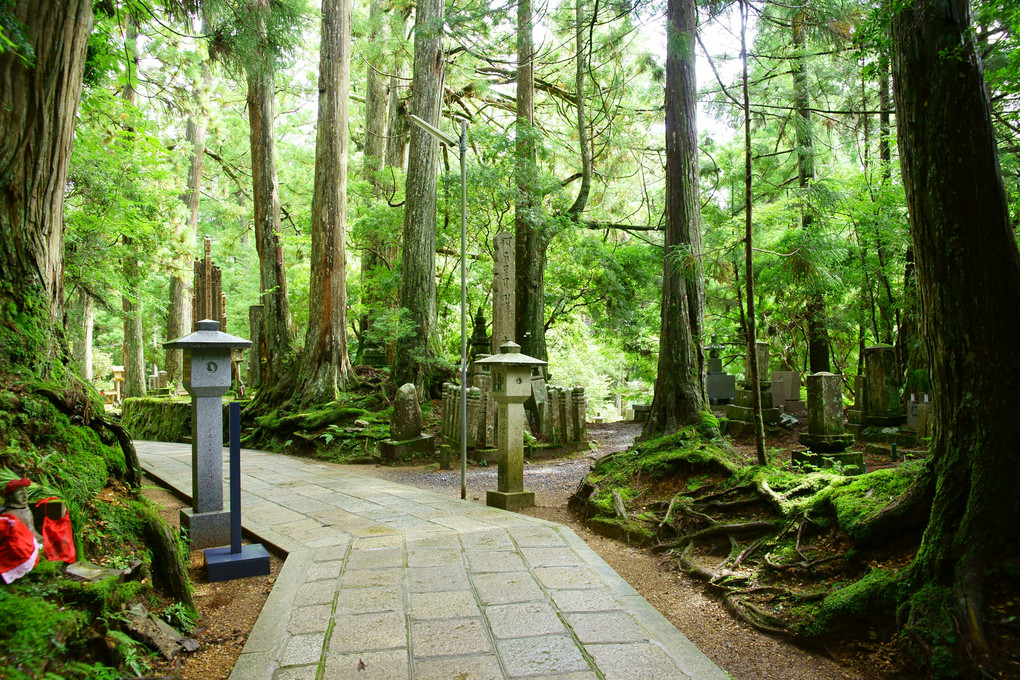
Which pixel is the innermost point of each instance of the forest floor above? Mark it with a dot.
(229, 609)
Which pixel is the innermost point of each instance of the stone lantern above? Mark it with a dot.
(511, 387)
(207, 377)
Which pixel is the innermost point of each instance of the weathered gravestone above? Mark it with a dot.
(722, 387)
(741, 412)
(882, 387)
(406, 438)
(503, 295)
(826, 439)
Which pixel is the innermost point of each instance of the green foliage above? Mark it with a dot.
(931, 631)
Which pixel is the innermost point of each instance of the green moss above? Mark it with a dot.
(875, 595)
(860, 501)
(930, 633)
(163, 419)
(34, 630)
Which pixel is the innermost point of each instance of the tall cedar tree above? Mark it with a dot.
(418, 267)
(968, 279)
(276, 322)
(40, 96)
(531, 242)
(325, 366)
(680, 385)
(131, 299)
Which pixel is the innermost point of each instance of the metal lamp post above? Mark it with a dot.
(451, 141)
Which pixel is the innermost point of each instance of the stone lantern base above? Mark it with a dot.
(510, 500)
(206, 529)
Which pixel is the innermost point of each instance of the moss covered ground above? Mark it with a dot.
(52, 626)
(791, 551)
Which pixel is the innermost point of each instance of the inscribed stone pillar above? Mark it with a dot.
(825, 433)
(761, 349)
(555, 427)
(539, 394)
(474, 399)
(578, 413)
(566, 408)
(503, 297)
(882, 386)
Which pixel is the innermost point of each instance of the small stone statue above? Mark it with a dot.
(16, 502)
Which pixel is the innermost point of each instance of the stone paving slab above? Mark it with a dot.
(388, 582)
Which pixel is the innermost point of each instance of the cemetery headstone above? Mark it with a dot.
(722, 387)
(882, 387)
(741, 412)
(479, 338)
(406, 439)
(826, 439)
(503, 295)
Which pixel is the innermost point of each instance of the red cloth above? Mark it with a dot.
(58, 539)
(19, 552)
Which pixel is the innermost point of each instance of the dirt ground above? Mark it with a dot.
(229, 609)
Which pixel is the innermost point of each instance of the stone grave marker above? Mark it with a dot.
(826, 439)
(503, 296)
(406, 438)
(882, 387)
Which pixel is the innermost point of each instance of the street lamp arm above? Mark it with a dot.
(434, 131)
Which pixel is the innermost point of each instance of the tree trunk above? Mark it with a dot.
(750, 325)
(418, 268)
(374, 152)
(968, 280)
(818, 337)
(583, 143)
(38, 118)
(396, 115)
(325, 366)
(134, 331)
(266, 207)
(680, 382)
(88, 323)
(179, 319)
(531, 243)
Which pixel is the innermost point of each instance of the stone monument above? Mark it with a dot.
(503, 295)
(826, 439)
(741, 413)
(207, 370)
(786, 391)
(882, 387)
(722, 387)
(511, 387)
(479, 339)
(406, 438)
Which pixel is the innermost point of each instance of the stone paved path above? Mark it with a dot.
(384, 581)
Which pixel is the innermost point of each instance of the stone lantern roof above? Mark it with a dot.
(208, 336)
(510, 355)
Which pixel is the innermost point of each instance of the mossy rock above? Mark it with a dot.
(161, 419)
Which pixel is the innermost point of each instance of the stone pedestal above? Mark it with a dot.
(421, 447)
(849, 462)
(743, 411)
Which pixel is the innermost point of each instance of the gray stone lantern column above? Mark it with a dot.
(511, 387)
(207, 378)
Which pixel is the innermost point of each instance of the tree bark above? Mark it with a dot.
(276, 328)
(818, 336)
(179, 319)
(325, 366)
(374, 155)
(968, 281)
(583, 143)
(750, 324)
(134, 330)
(680, 382)
(38, 117)
(418, 267)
